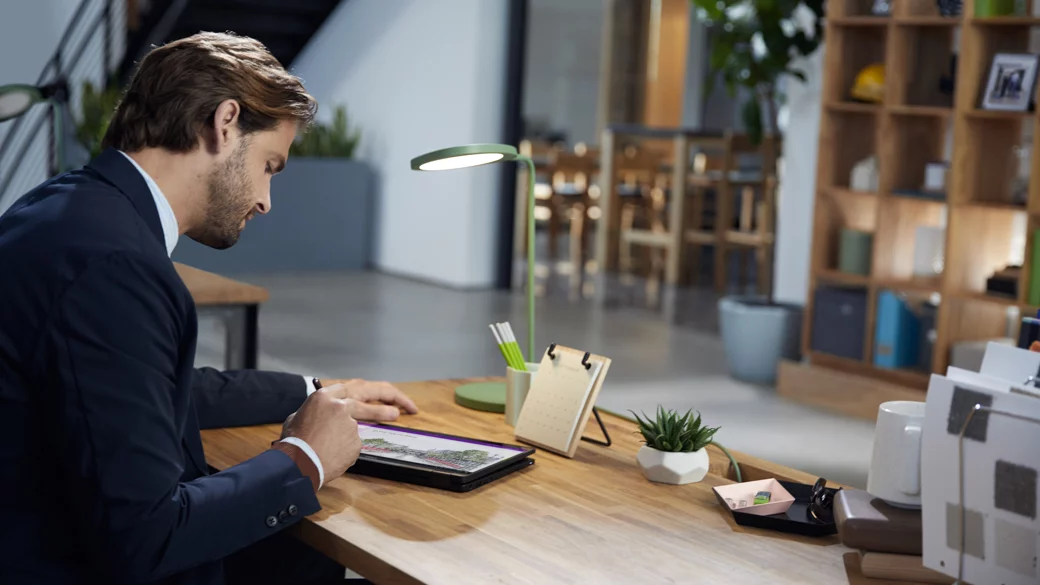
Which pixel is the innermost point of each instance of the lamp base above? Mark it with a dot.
(483, 396)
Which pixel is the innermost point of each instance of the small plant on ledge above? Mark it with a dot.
(335, 140)
(675, 446)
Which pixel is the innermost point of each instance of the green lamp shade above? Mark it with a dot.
(460, 157)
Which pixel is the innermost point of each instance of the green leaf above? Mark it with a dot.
(752, 114)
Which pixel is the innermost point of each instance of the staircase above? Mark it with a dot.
(284, 26)
(104, 40)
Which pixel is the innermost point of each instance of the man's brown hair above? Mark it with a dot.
(178, 86)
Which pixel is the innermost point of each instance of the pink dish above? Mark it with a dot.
(780, 499)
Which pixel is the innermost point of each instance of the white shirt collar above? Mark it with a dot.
(162, 205)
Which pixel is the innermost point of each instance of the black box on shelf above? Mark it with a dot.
(839, 321)
(928, 314)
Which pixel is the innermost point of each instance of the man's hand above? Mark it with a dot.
(326, 423)
(392, 400)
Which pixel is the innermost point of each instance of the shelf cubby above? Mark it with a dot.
(835, 214)
(840, 125)
(854, 48)
(993, 147)
(926, 59)
(897, 223)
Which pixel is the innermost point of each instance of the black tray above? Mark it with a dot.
(796, 520)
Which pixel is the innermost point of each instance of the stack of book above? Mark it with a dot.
(889, 539)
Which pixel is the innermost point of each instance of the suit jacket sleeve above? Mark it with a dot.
(246, 397)
(110, 359)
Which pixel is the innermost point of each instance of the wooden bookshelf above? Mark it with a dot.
(858, 21)
(909, 129)
(927, 20)
(935, 111)
(1005, 21)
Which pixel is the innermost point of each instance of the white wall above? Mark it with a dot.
(29, 33)
(562, 60)
(415, 76)
(798, 184)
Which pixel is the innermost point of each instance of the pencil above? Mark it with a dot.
(502, 347)
(514, 346)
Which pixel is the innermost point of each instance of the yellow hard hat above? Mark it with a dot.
(870, 84)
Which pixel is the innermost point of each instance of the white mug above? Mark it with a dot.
(895, 466)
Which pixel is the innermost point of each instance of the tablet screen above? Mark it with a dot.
(411, 446)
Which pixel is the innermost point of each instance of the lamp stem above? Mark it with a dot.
(530, 256)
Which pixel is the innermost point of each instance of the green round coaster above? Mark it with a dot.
(485, 396)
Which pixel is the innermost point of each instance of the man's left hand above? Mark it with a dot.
(384, 393)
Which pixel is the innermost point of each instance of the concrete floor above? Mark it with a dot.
(371, 325)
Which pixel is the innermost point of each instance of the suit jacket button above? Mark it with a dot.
(272, 521)
(283, 516)
(293, 510)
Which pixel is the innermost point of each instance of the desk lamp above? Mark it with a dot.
(17, 98)
(490, 396)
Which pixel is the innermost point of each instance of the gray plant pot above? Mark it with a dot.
(322, 213)
(756, 334)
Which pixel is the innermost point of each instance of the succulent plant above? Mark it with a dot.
(673, 432)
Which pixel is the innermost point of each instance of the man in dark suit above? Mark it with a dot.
(102, 472)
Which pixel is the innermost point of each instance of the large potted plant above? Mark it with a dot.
(675, 447)
(323, 207)
(755, 46)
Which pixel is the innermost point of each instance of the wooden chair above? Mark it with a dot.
(641, 189)
(541, 153)
(571, 178)
(701, 211)
(754, 226)
(755, 233)
(665, 234)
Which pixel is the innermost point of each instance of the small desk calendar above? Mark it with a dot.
(561, 398)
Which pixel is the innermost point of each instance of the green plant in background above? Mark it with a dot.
(753, 45)
(98, 107)
(335, 140)
(675, 433)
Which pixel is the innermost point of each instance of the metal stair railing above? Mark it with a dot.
(90, 49)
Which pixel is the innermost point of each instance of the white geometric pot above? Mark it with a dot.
(673, 468)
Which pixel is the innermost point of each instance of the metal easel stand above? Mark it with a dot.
(960, 470)
(602, 427)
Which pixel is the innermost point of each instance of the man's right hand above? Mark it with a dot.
(326, 422)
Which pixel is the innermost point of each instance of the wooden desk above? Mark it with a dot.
(589, 519)
(236, 303)
(593, 519)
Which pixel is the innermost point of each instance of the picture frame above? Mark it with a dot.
(1011, 83)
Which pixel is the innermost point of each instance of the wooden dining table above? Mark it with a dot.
(592, 519)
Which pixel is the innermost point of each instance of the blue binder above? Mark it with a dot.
(896, 334)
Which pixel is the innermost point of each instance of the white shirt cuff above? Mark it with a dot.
(310, 453)
(308, 382)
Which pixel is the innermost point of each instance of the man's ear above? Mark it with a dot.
(225, 123)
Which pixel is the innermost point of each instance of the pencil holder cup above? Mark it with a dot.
(517, 385)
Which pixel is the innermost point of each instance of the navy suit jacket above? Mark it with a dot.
(102, 474)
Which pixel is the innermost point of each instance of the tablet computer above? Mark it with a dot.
(436, 460)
